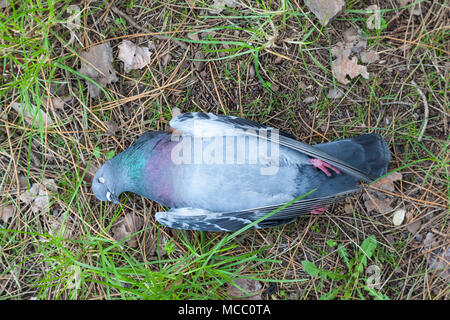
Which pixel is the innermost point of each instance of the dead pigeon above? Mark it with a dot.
(221, 173)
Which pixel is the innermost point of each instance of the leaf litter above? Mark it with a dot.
(219, 5)
(437, 256)
(325, 10)
(7, 212)
(73, 22)
(38, 195)
(346, 55)
(31, 113)
(133, 56)
(245, 289)
(97, 64)
(379, 201)
(126, 226)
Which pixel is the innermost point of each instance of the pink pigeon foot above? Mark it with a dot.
(322, 165)
(319, 210)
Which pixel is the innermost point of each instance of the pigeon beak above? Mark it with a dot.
(112, 198)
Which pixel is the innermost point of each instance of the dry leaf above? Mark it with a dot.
(219, 5)
(176, 112)
(387, 183)
(348, 208)
(37, 196)
(60, 226)
(325, 10)
(58, 102)
(413, 227)
(126, 226)
(374, 21)
(373, 203)
(342, 66)
(73, 22)
(346, 56)
(31, 114)
(252, 289)
(97, 65)
(438, 257)
(91, 169)
(369, 56)
(166, 59)
(415, 10)
(198, 64)
(133, 56)
(335, 93)
(4, 4)
(310, 99)
(6, 213)
(111, 128)
(379, 201)
(193, 36)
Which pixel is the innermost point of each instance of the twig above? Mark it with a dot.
(426, 110)
(397, 102)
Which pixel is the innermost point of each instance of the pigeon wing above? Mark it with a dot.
(199, 124)
(204, 220)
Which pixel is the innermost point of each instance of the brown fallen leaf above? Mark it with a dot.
(166, 59)
(383, 205)
(219, 5)
(126, 226)
(97, 64)
(6, 213)
(73, 22)
(369, 56)
(325, 10)
(413, 227)
(111, 127)
(348, 208)
(346, 55)
(437, 256)
(60, 226)
(133, 56)
(57, 103)
(377, 200)
(31, 114)
(387, 183)
(198, 63)
(342, 66)
(335, 93)
(415, 10)
(38, 195)
(374, 20)
(253, 289)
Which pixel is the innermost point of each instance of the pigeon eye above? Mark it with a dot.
(101, 180)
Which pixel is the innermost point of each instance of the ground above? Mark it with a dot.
(268, 61)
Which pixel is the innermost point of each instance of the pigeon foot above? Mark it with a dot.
(319, 210)
(322, 165)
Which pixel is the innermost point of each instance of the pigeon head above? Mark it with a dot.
(103, 184)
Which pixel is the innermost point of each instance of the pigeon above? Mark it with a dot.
(225, 173)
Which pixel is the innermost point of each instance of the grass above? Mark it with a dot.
(261, 61)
